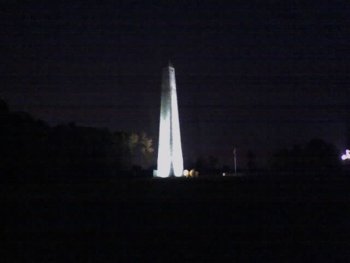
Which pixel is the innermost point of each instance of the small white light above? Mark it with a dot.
(223, 174)
(346, 156)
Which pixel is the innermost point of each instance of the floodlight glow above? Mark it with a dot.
(170, 160)
(186, 172)
(346, 156)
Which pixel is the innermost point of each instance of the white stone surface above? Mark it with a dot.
(170, 160)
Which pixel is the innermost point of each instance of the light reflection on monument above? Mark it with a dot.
(170, 160)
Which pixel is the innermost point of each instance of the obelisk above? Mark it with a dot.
(170, 160)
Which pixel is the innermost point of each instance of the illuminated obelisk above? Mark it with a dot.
(170, 160)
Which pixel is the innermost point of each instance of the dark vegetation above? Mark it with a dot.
(317, 157)
(33, 151)
(55, 210)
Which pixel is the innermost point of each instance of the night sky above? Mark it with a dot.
(260, 75)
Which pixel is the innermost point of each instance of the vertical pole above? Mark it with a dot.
(235, 159)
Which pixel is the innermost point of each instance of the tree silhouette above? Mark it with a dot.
(316, 156)
(251, 161)
(3, 106)
(147, 149)
(31, 149)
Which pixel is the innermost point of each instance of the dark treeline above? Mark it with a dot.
(316, 157)
(32, 150)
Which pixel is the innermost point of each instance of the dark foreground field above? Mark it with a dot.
(202, 220)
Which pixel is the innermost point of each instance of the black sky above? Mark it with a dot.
(256, 74)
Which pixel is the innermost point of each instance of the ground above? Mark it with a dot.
(177, 220)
